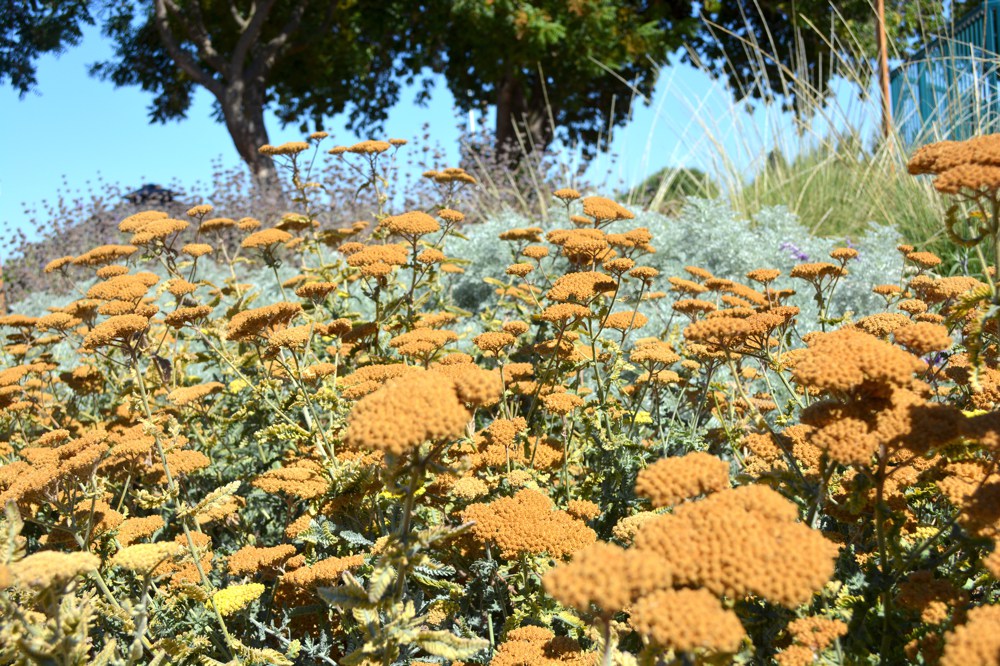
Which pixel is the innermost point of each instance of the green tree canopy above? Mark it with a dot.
(30, 28)
(569, 66)
(550, 67)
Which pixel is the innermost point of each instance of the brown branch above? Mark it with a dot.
(199, 35)
(265, 59)
(251, 33)
(183, 59)
(240, 20)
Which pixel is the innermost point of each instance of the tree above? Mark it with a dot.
(550, 67)
(29, 28)
(553, 65)
(254, 55)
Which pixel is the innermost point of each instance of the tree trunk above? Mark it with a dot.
(523, 125)
(243, 111)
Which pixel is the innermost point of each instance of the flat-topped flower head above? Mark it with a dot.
(924, 260)
(848, 360)
(197, 249)
(688, 620)
(672, 480)
(972, 164)
(844, 253)
(134, 223)
(369, 147)
(422, 342)
(200, 210)
(104, 254)
(605, 210)
(265, 238)
(718, 543)
(450, 215)
(413, 224)
(606, 576)
(117, 329)
(493, 342)
(764, 275)
(287, 148)
(247, 325)
(407, 411)
(582, 287)
(528, 523)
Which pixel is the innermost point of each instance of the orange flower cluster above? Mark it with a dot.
(377, 260)
(973, 164)
(583, 509)
(493, 342)
(411, 225)
(538, 646)
(975, 643)
(300, 478)
(688, 620)
(250, 560)
(815, 632)
(186, 395)
(923, 337)
(104, 254)
(607, 576)
(672, 480)
(158, 229)
(117, 329)
(298, 588)
(581, 287)
(605, 210)
(527, 523)
(715, 543)
(848, 360)
(409, 410)
(422, 342)
(247, 325)
(265, 239)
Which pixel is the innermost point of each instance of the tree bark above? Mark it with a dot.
(523, 125)
(243, 111)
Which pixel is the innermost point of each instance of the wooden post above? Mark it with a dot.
(883, 71)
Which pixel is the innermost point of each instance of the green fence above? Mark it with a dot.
(950, 89)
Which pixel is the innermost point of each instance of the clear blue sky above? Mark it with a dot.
(75, 130)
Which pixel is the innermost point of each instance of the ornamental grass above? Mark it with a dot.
(279, 440)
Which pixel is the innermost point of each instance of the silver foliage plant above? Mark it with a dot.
(708, 234)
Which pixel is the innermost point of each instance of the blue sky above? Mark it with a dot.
(76, 131)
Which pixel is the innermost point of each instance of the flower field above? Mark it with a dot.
(296, 440)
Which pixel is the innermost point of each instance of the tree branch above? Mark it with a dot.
(265, 59)
(183, 59)
(251, 32)
(240, 21)
(199, 35)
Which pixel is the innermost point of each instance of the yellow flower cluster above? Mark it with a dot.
(52, 568)
(144, 557)
(236, 597)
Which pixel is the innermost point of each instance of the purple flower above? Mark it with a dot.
(796, 253)
(848, 243)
